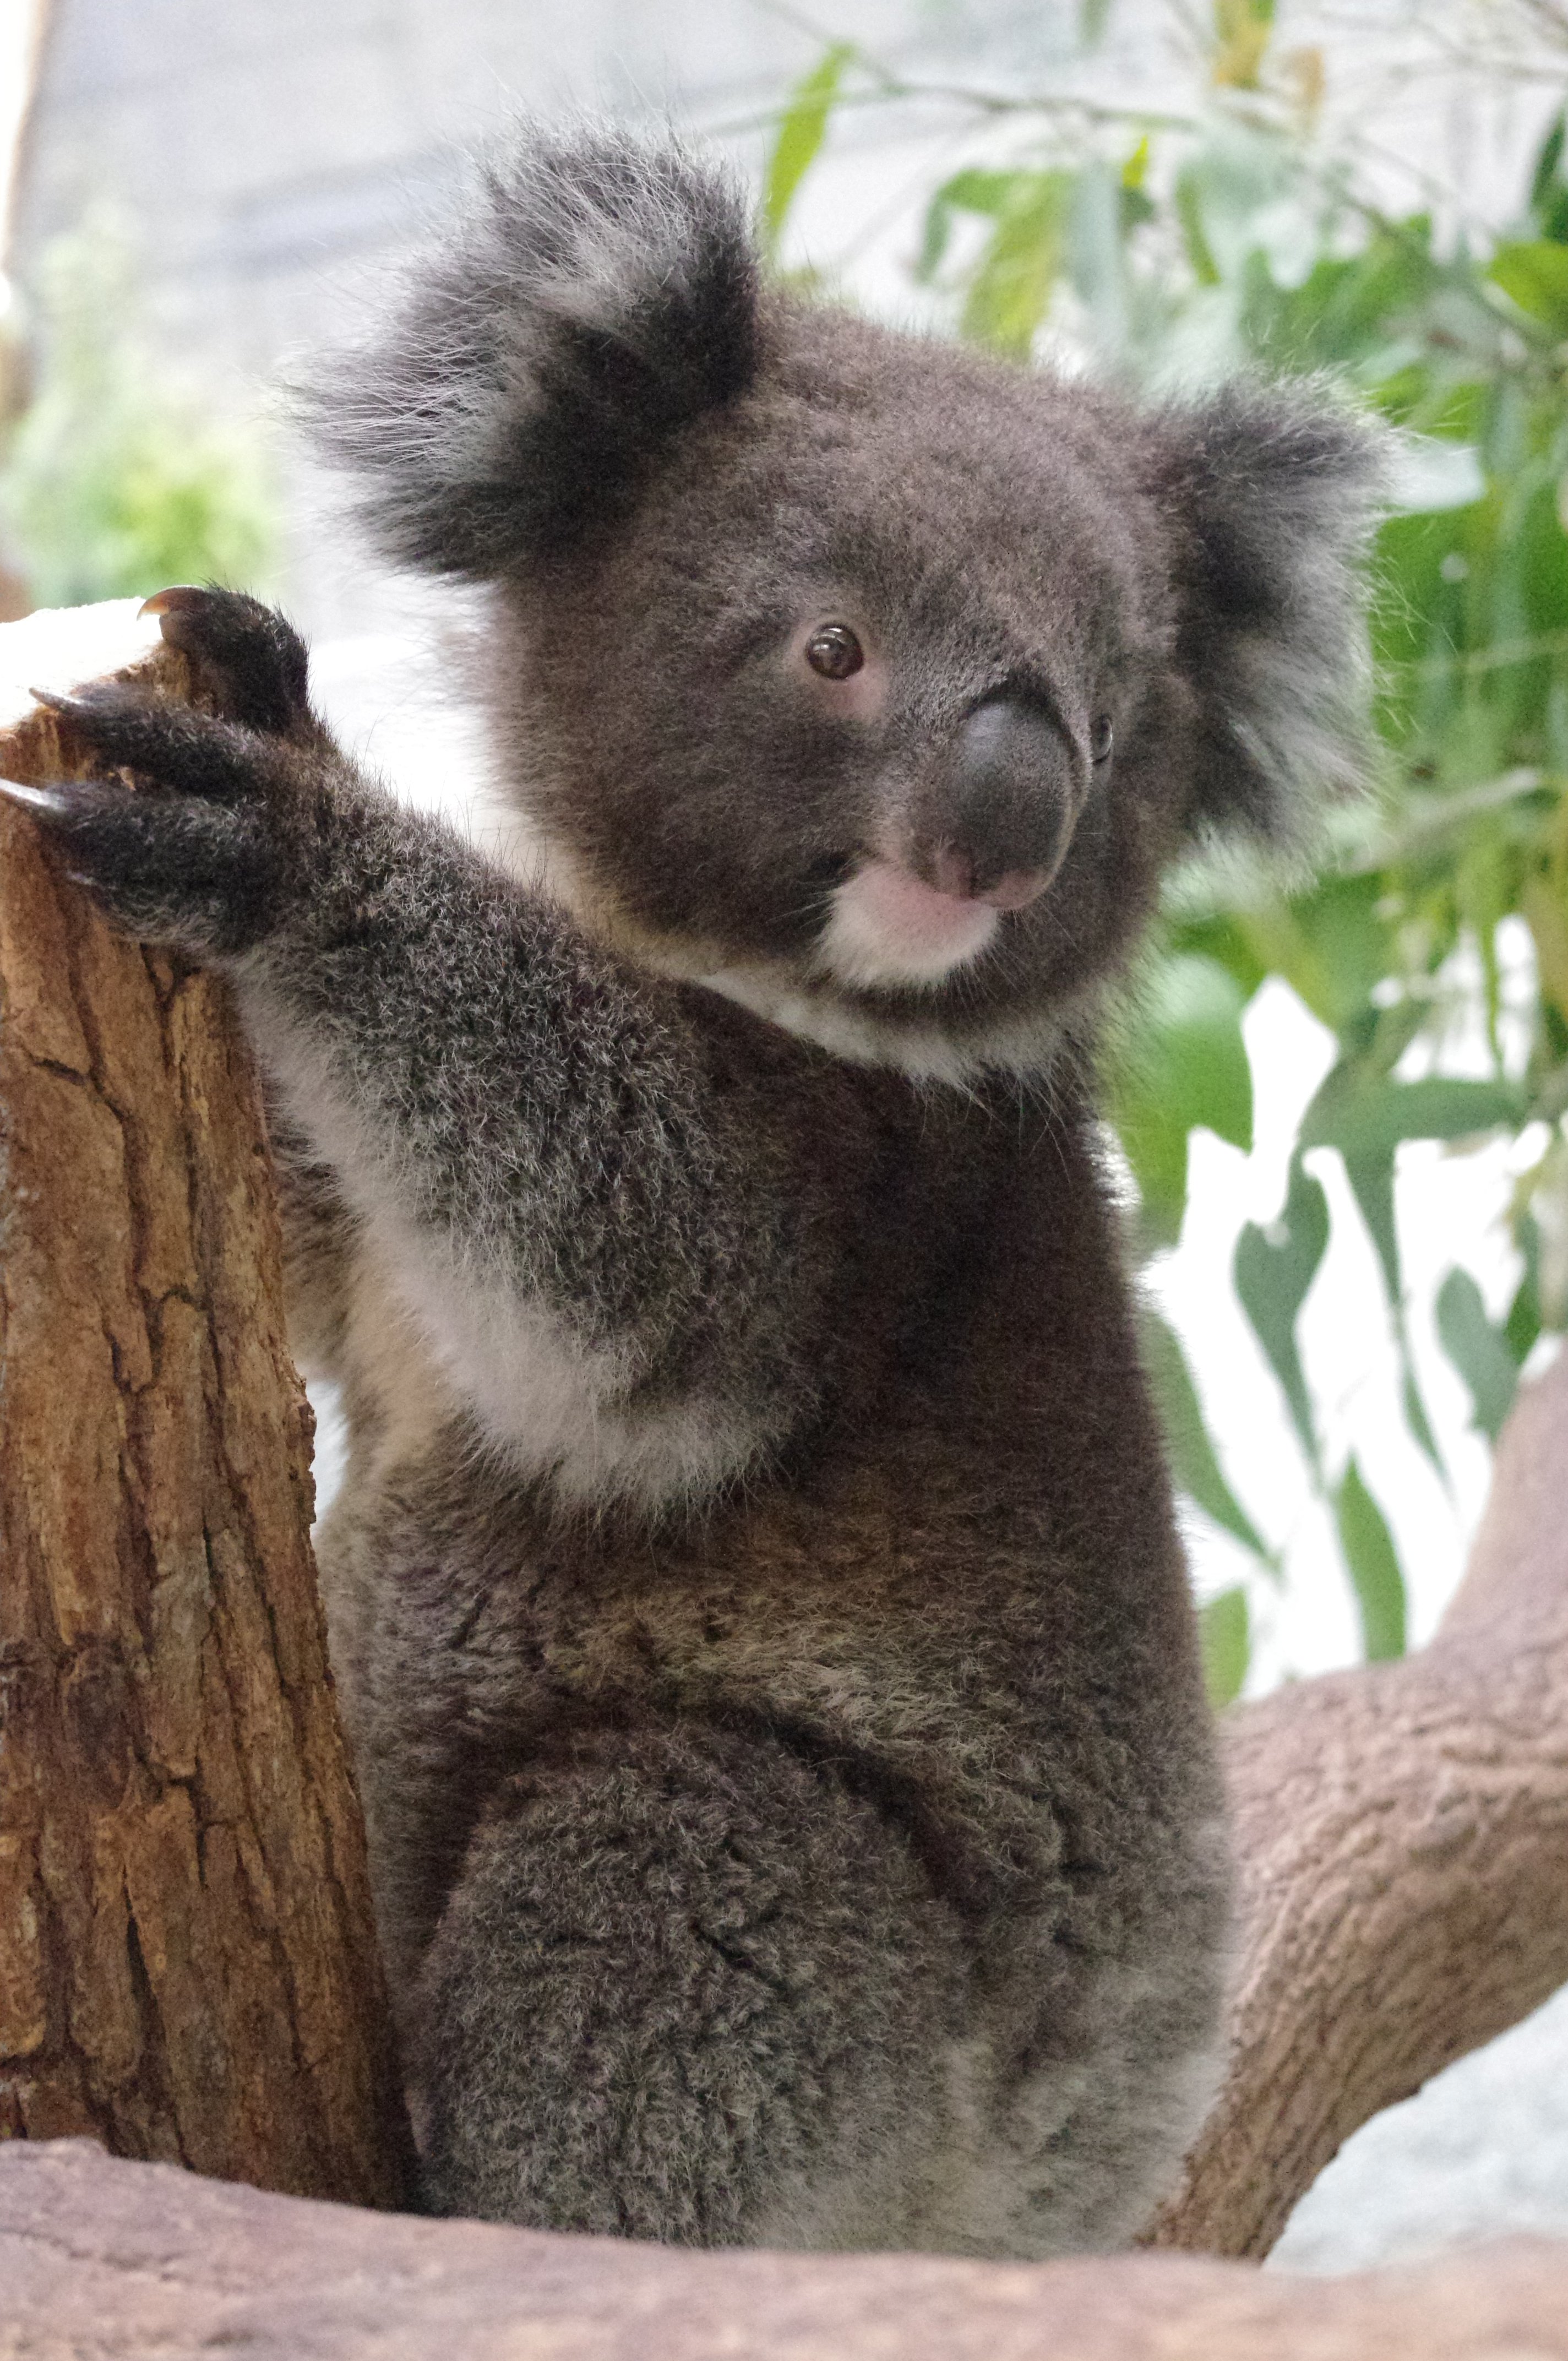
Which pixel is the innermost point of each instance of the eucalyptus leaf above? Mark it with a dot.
(1011, 288)
(972, 192)
(1368, 1116)
(1548, 189)
(1193, 1460)
(1370, 1172)
(800, 137)
(1182, 1063)
(1535, 273)
(1478, 1351)
(1413, 1404)
(1242, 29)
(1371, 1178)
(1374, 1564)
(1190, 215)
(1274, 1271)
(1331, 943)
(1224, 1629)
(1522, 1325)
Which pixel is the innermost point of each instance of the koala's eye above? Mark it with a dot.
(1101, 739)
(835, 651)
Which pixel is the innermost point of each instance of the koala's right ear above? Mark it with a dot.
(601, 294)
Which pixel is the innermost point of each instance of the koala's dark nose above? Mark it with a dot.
(998, 822)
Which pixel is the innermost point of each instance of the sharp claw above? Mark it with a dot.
(174, 610)
(43, 799)
(178, 599)
(81, 710)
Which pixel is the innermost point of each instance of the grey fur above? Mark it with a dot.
(1278, 484)
(596, 295)
(755, 1591)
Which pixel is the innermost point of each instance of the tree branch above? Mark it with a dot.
(149, 2265)
(1402, 1833)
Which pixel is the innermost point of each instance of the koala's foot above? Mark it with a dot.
(202, 848)
(687, 1987)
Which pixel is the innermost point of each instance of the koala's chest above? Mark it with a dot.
(964, 1577)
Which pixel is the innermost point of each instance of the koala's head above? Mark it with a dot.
(868, 679)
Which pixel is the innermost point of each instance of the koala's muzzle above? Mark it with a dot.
(999, 816)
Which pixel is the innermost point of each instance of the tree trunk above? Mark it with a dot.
(188, 1968)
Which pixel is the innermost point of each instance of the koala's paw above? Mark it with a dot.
(201, 876)
(197, 841)
(250, 664)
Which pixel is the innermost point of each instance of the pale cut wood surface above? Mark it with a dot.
(187, 1958)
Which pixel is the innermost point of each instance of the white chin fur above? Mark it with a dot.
(885, 927)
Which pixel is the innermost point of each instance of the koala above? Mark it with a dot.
(755, 1594)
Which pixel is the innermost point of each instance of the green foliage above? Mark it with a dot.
(1273, 1270)
(1225, 1628)
(1374, 1568)
(1194, 1463)
(1008, 291)
(111, 482)
(1479, 1351)
(1536, 275)
(1183, 1064)
(799, 139)
(1174, 249)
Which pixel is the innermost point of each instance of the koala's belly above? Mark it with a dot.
(1023, 1714)
(1039, 1769)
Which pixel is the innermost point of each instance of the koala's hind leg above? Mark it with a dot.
(687, 1987)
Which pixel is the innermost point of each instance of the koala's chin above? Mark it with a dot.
(755, 1594)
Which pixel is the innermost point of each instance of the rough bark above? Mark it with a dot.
(98, 2257)
(187, 1958)
(1402, 1834)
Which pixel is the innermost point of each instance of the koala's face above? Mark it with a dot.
(868, 679)
(869, 697)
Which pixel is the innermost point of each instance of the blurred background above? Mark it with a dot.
(1339, 1099)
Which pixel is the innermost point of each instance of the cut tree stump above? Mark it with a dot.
(188, 1965)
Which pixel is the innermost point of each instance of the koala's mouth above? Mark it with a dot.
(886, 927)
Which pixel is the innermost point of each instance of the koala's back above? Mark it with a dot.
(929, 1688)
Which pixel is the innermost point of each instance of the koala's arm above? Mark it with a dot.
(616, 1257)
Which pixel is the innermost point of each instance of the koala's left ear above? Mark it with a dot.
(1271, 493)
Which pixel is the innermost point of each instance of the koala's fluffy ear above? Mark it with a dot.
(601, 293)
(1272, 493)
